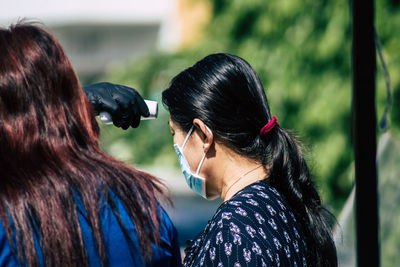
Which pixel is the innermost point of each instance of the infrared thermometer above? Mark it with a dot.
(106, 118)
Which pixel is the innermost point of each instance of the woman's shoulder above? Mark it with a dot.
(121, 238)
(260, 205)
(258, 218)
(256, 199)
(169, 234)
(7, 255)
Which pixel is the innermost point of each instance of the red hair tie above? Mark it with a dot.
(269, 126)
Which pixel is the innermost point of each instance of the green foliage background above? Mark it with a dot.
(302, 53)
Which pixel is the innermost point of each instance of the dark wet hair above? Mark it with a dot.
(50, 158)
(225, 93)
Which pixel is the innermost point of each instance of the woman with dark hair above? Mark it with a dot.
(229, 145)
(64, 201)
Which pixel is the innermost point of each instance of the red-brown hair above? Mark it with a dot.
(49, 155)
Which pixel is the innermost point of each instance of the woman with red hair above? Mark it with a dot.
(64, 201)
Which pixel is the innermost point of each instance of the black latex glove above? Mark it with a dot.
(124, 104)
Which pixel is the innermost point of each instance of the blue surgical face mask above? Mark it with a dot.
(194, 180)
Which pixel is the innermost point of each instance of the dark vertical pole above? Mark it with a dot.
(364, 132)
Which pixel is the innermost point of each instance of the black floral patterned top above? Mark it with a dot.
(254, 228)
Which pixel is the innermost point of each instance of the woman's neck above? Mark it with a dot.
(234, 185)
(235, 172)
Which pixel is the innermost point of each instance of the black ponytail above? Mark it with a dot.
(226, 94)
(289, 174)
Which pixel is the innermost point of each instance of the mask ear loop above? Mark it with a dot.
(205, 153)
(201, 163)
(187, 137)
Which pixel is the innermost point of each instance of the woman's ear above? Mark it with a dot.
(205, 133)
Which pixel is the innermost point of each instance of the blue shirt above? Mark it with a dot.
(254, 228)
(119, 251)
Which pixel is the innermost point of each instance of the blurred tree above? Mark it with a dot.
(302, 53)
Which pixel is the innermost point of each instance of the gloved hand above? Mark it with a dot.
(124, 104)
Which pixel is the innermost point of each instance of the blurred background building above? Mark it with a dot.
(98, 34)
